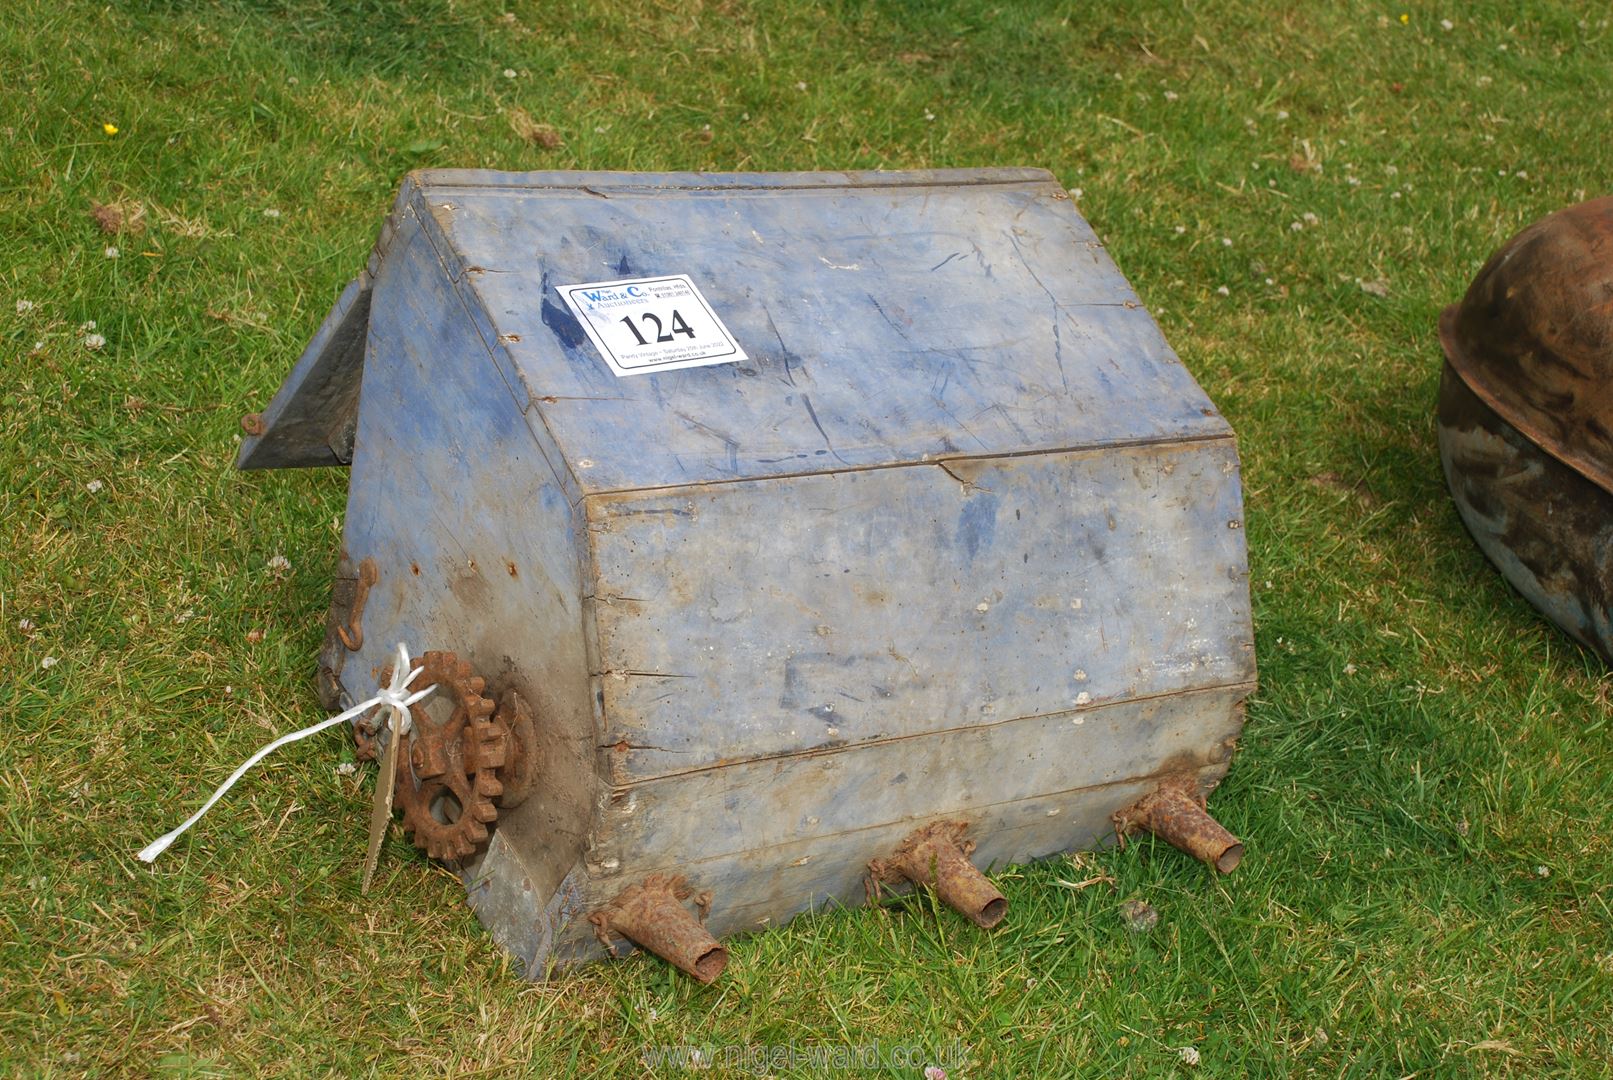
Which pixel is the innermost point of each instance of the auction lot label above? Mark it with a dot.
(651, 324)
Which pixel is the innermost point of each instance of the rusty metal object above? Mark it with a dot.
(252, 423)
(937, 857)
(502, 744)
(1545, 526)
(1526, 416)
(1533, 337)
(352, 634)
(448, 768)
(519, 773)
(1175, 812)
(651, 915)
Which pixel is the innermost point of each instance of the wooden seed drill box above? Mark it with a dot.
(877, 536)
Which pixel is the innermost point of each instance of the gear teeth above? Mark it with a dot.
(468, 742)
(494, 749)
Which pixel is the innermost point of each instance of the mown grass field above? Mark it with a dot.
(1296, 190)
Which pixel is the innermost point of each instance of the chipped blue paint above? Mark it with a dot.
(961, 539)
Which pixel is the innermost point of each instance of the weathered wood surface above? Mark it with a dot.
(964, 539)
(479, 549)
(311, 420)
(911, 316)
(759, 805)
(748, 620)
(769, 888)
(756, 889)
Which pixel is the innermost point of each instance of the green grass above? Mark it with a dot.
(1428, 769)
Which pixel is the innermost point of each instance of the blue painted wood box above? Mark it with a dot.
(957, 538)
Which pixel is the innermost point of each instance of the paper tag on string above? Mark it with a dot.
(386, 783)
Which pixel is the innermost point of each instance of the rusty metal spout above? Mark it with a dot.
(651, 915)
(1175, 813)
(937, 856)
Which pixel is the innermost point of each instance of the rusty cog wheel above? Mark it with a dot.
(447, 769)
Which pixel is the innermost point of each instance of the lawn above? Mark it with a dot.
(1426, 780)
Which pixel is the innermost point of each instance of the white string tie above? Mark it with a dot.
(396, 696)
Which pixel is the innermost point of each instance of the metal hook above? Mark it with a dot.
(368, 575)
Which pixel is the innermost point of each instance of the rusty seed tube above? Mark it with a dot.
(937, 856)
(652, 916)
(1181, 821)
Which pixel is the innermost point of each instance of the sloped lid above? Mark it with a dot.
(886, 317)
(1533, 337)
